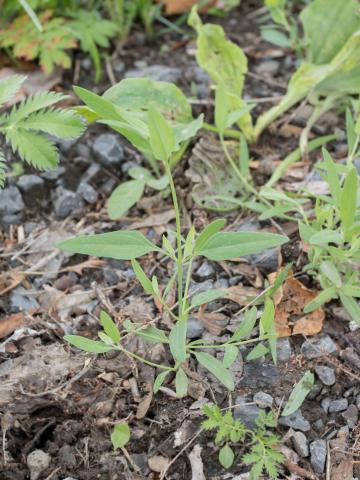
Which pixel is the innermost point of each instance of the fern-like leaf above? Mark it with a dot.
(2, 169)
(61, 123)
(9, 87)
(33, 148)
(33, 104)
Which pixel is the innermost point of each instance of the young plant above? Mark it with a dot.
(262, 454)
(211, 243)
(124, 108)
(26, 128)
(334, 239)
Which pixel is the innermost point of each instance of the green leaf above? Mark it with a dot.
(226, 456)
(351, 306)
(142, 277)
(120, 435)
(177, 339)
(323, 297)
(328, 269)
(206, 297)
(216, 368)
(332, 177)
(267, 324)
(244, 157)
(257, 352)
(122, 245)
(208, 232)
(2, 169)
(230, 355)
(60, 123)
(299, 393)
(91, 346)
(124, 197)
(100, 105)
(276, 37)
(325, 236)
(150, 333)
(9, 86)
(350, 130)
(162, 138)
(246, 326)
(348, 199)
(181, 383)
(110, 327)
(221, 108)
(159, 380)
(228, 245)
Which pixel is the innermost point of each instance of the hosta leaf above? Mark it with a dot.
(121, 245)
(228, 245)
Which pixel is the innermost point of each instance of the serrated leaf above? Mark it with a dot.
(120, 435)
(91, 346)
(125, 196)
(110, 327)
(60, 123)
(121, 245)
(216, 368)
(299, 393)
(9, 86)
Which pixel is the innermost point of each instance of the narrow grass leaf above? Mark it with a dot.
(299, 393)
(110, 327)
(177, 340)
(91, 346)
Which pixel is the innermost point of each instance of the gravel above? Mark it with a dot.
(301, 444)
(295, 421)
(21, 301)
(263, 400)
(161, 73)
(37, 461)
(109, 150)
(315, 347)
(32, 188)
(283, 349)
(205, 271)
(318, 455)
(11, 204)
(336, 406)
(351, 415)
(66, 201)
(87, 192)
(326, 375)
(194, 328)
(245, 412)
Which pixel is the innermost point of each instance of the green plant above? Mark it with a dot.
(161, 139)
(262, 455)
(334, 238)
(27, 126)
(124, 108)
(58, 35)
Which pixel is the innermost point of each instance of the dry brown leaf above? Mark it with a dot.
(290, 300)
(242, 295)
(10, 280)
(212, 321)
(90, 263)
(144, 406)
(174, 7)
(158, 463)
(11, 323)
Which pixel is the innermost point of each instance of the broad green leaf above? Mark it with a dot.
(320, 299)
(348, 199)
(257, 352)
(352, 306)
(351, 290)
(246, 326)
(332, 177)
(145, 282)
(122, 245)
(150, 333)
(159, 380)
(162, 138)
(221, 108)
(230, 354)
(125, 196)
(177, 340)
(208, 232)
(206, 297)
(216, 368)
(276, 37)
(325, 236)
(120, 435)
(267, 324)
(91, 346)
(228, 245)
(181, 383)
(328, 269)
(158, 183)
(226, 456)
(299, 393)
(110, 327)
(140, 173)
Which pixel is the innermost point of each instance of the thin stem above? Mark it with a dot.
(228, 132)
(235, 344)
(187, 285)
(143, 360)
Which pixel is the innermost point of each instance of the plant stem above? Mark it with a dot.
(143, 360)
(224, 345)
(228, 132)
(187, 284)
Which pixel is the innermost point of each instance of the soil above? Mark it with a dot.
(65, 403)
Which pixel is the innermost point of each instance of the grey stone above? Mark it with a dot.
(21, 301)
(318, 425)
(108, 149)
(283, 349)
(351, 357)
(267, 260)
(194, 328)
(221, 283)
(318, 455)
(53, 175)
(87, 192)
(205, 271)
(301, 444)
(315, 347)
(263, 400)
(295, 421)
(161, 73)
(200, 287)
(326, 374)
(351, 415)
(338, 405)
(246, 413)
(37, 461)
(70, 478)
(92, 171)
(141, 460)
(32, 188)
(11, 219)
(11, 202)
(268, 67)
(66, 456)
(259, 374)
(66, 202)
(110, 277)
(325, 403)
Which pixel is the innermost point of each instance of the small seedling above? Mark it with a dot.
(262, 453)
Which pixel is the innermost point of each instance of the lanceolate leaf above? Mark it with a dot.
(162, 138)
(246, 326)
(125, 196)
(206, 297)
(299, 393)
(87, 345)
(177, 339)
(348, 199)
(228, 245)
(150, 333)
(181, 383)
(216, 368)
(121, 245)
(110, 327)
(142, 277)
(352, 306)
(208, 232)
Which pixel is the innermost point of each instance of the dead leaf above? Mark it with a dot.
(158, 463)
(174, 7)
(196, 463)
(9, 281)
(144, 406)
(11, 323)
(290, 300)
(241, 294)
(212, 321)
(90, 263)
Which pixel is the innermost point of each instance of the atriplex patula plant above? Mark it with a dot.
(27, 126)
(261, 449)
(210, 243)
